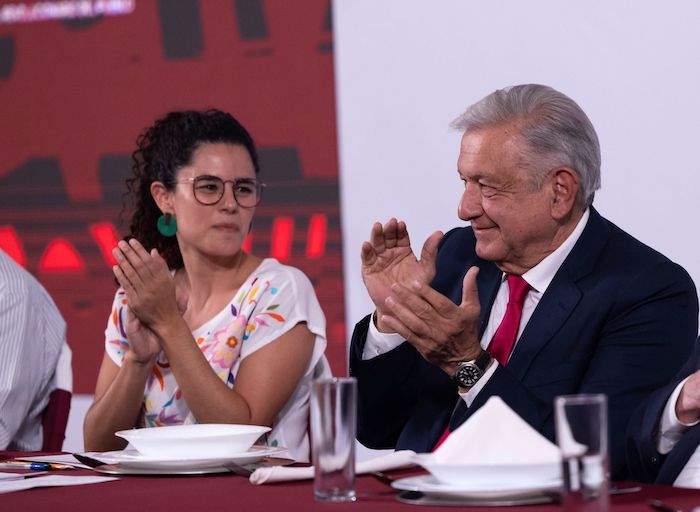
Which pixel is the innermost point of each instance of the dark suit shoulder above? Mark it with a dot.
(613, 257)
(623, 245)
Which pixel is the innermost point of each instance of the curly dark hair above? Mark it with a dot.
(163, 149)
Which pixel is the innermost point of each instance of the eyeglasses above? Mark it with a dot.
(209, 190)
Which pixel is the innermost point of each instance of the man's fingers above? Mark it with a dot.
(408, 316)
(390, 230)
(430, 248)
(470, 292)
(376, 237)
(367, 254)
(433, 299)
(412, 300)
(398, 327)
(402, 238)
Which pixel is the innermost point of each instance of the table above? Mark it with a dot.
(228, 492)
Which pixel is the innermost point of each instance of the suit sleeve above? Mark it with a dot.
(392, 384)
(645, 339)
(643, 457)
(387, 389)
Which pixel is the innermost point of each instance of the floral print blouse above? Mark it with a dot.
(270, 302)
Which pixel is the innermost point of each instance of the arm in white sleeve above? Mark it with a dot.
(671, 428)
(379, 343)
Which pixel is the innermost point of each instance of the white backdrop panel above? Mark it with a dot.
(406, 68)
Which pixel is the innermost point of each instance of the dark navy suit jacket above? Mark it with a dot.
(618, 318)
(645, 462)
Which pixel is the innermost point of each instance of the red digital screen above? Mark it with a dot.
(80, 80)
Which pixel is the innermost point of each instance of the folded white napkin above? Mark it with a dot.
(495, 434)
(51, 481)
(394, 460)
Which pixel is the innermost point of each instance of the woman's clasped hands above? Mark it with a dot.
(150, 294)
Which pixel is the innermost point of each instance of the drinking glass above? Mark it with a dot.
(333, 426)
(581, 423)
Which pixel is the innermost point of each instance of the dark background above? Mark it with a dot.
(75, 94)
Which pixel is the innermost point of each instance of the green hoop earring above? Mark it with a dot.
(167, 225)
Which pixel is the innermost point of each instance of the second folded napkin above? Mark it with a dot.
(394, 460)
(494, 448)
(495, 434)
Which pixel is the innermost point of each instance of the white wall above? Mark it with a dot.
(74, 429)
(406, 68)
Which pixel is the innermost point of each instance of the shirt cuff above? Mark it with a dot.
(378, 343)
(470, 396)
(670, 427)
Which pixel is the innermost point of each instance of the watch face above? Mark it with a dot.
(468, 375)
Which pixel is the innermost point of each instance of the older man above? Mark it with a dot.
(664, 436)
(540, 297)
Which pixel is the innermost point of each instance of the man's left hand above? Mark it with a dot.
(443, 332)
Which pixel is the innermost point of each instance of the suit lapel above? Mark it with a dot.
(553, 310)
(487, 282)
(562, 295)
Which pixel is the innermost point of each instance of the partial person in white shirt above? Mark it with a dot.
(664, 437)
(32, 337)
(541, 296)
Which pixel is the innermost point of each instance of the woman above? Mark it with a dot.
(201, 331)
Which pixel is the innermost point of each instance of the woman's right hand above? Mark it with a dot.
(148, 283)
(144, 345)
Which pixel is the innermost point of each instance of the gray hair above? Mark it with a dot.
(554, 129)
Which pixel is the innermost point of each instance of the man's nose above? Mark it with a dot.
(470, 203)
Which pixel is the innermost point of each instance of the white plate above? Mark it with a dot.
(202, 440)
(118, 469)
(134, 459)
(428, 484)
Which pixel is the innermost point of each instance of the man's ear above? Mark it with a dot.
(565, 185)
(162, 196)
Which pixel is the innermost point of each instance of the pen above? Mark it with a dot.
(37, 466)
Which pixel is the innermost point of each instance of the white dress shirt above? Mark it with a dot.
(538, 277)
(32, 334)
(670, 431)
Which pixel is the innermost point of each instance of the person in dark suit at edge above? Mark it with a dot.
(541, 296)
(664, 435)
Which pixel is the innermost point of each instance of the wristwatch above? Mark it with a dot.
(468, 373)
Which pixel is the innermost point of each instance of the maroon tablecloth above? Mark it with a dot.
(227, 492)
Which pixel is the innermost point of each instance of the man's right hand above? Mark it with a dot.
(688, 403)
(387, 258)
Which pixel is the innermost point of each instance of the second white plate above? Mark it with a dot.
(133, 459)
(428, 484)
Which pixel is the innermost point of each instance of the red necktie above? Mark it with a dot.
(504, 339)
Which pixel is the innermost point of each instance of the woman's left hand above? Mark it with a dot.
(147, 281)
